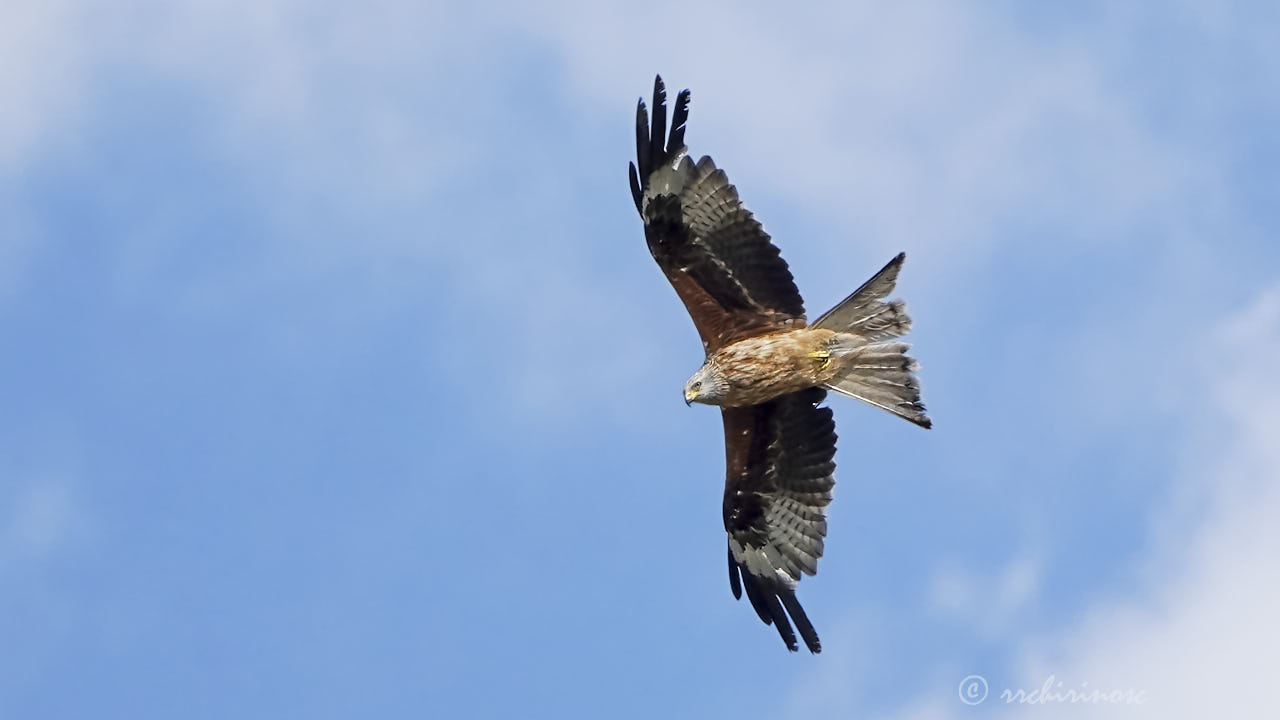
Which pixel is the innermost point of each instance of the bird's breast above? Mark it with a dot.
(761, 368)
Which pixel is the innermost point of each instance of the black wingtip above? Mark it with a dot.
(678, 120)
(653, 148)
(780, 621)
(801, 620)
(658, 127)
(773, 603)
(635, 188)
(643, 158)
(735, 584)
(756, 596)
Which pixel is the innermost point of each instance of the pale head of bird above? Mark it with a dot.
(707, 386)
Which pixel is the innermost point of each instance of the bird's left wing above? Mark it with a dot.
(721, 262)
(778, 482)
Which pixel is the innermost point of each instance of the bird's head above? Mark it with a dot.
(707, 386)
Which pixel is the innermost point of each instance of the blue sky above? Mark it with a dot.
(338, 382)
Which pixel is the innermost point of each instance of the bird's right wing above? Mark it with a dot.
(721, 262)
(778, 480)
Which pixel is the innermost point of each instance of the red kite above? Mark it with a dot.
(766, 367)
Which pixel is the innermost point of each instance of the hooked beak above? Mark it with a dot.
(689, 395)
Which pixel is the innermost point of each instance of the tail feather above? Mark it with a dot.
(864, 313)
(881, 374)
(863, 365)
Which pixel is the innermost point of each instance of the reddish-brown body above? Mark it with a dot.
(761, 368)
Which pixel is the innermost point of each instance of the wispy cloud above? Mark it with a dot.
(1202, 638)
(1199, 636)
(42, 76)
(913, 125)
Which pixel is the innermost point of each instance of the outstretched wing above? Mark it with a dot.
(778, 483)
(715, 253)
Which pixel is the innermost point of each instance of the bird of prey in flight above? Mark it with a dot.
(766, 367)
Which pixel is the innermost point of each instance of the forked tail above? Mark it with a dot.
(862, 365)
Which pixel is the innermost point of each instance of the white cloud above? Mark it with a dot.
(1200, 639)
(1204, 641)
(318, 100)
(42, 72)
(42, 78)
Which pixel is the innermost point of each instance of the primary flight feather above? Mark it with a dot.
(765, 366)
